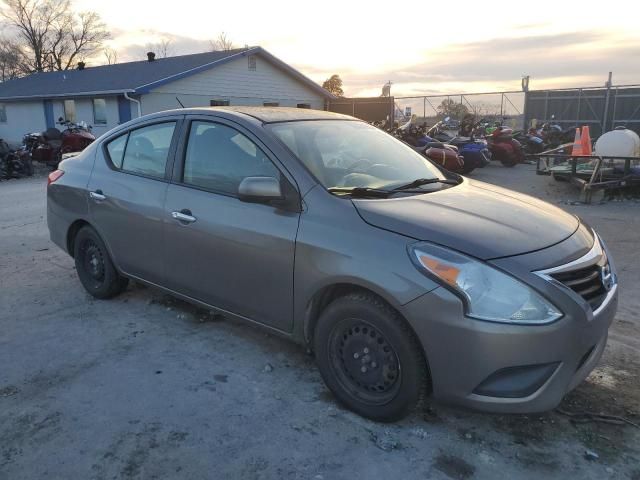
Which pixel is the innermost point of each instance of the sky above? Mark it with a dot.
(422, 47)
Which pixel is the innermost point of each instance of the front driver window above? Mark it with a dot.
(219, 157)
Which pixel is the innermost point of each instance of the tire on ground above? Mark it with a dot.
(413, 378)
(107, 283)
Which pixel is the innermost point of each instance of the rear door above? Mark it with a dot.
(127, 191)
(235, 255)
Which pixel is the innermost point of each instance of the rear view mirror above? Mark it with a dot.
(260, 189)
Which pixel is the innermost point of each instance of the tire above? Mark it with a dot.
(369, 358)
(94, 266)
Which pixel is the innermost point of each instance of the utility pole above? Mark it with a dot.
(606, 103)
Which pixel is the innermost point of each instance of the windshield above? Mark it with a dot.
(343, 153)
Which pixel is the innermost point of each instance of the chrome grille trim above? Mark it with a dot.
(594, 257)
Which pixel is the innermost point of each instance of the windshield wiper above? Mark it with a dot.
(361, 191)
(364, 192)
(418, 182)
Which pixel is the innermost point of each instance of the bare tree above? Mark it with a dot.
(76, 37)
(12, 62)
(222, 43)
(162, 48)
(33, 21)
(111, 55)
(52, 35)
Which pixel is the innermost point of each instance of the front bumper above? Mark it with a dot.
(532, 367)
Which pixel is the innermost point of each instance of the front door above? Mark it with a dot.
(127, 191)
(234, 255)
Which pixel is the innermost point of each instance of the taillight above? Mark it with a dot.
(53, 176)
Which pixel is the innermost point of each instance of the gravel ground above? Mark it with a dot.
(145, 386)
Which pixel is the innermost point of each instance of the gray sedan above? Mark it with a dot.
(404, 279)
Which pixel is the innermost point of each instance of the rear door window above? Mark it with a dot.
(143, 151)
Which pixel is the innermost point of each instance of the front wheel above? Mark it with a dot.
(95, 269)
(369, 358)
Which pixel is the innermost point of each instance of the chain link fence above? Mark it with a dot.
(507, 107)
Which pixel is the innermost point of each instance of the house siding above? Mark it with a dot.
(233, 81)
(84, 113)
(22, 117)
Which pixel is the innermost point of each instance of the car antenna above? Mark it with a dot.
(178, 100)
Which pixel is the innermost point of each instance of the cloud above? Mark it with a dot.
(552, 61)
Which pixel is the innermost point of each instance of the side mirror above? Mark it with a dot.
(260, 190)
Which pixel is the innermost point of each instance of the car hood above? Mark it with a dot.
(476, 218)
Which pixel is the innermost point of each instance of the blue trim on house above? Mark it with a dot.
(48, 113)
(134, 77)
(124, 109)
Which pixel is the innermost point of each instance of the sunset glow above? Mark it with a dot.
(465, 46)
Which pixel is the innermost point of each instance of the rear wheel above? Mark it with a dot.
(94, 266)
(369, 358)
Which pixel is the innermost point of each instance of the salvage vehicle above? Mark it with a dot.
(403, 279)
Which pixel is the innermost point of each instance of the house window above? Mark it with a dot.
(3, 113)
(219, 103)
(304, 105)
(70, 110)
(252, 62)
(99, 111)
(271, 104)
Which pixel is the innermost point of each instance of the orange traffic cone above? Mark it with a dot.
(577, 144)
(586, 141)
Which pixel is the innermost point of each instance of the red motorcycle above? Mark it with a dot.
(504, 147)
(49, 146)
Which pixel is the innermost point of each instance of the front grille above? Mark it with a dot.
(586, 282)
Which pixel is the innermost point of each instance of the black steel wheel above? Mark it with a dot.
(370, 358)
(364, 361)
(94, 266)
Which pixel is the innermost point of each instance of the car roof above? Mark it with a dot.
(267, 114)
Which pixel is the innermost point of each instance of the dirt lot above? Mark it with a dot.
(147, 387)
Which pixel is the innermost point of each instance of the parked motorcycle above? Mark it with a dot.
(504, 148)
(531, 141)
(14, 164)
(48, 147)
(443, 154)
(474, 150)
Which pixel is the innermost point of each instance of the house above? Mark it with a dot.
(109, 95)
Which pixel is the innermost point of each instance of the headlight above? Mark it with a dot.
(488, 293)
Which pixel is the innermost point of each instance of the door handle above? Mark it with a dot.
(97, 195)
(183, 216)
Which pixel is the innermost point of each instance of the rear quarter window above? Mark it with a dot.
(116, 150)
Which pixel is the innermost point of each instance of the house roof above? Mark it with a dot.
(133, 77)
